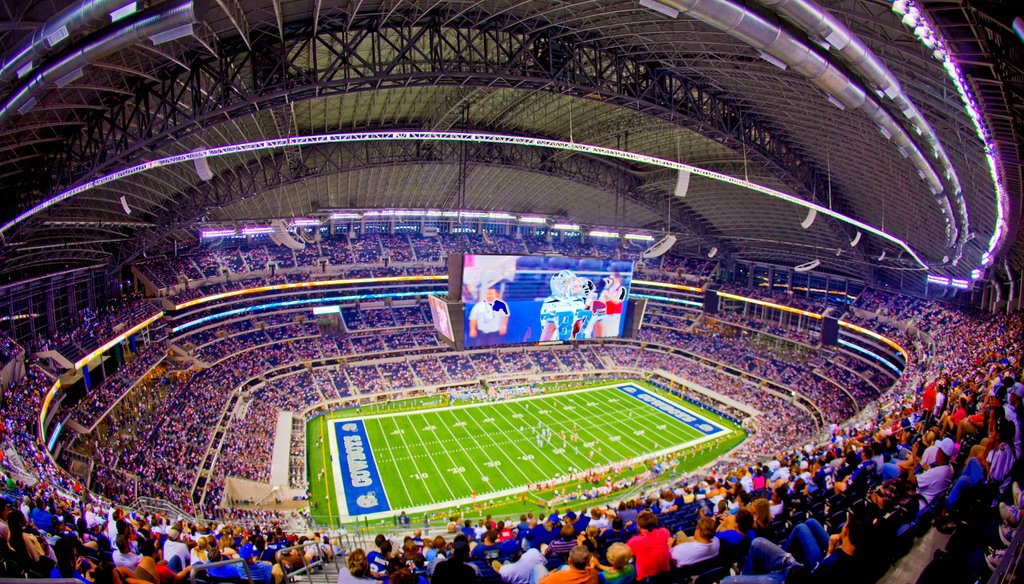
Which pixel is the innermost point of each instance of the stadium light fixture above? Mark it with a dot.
(937, 279)
(682, 287)
(605, 234)
(639, 237)
(914, 18)
(960, 284)
(215, 233)
(109, 344)
(660, 8)
(341, 216)
(304, 222)
(536, 220)
(267, 230)
(416, 135)
(124, 11)
(310, 284)
(871, 354)
(566, 227)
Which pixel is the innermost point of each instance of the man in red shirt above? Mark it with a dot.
(928, 400)
(651, 547)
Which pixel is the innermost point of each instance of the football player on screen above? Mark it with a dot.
(564, 314)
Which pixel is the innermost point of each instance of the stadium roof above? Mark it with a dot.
(853, 105)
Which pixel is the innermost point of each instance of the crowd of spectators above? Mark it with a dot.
(210, 268)
(102, 397)
(9, 348)
(973, 362)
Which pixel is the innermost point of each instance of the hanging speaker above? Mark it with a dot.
(682, 183)
(124, 205)
(203, 169)
(811, 214)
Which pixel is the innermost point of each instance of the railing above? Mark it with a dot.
(206, 567)
(151, 505)
(310, 569)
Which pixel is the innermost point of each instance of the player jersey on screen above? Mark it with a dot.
(569, 316)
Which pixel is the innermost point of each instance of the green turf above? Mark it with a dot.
(437, 455)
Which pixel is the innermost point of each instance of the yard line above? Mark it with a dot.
(498, 416)
(405, 488)
(638, 417)
(480, 472)
(512, 431)
(448, 451)
(437, 468)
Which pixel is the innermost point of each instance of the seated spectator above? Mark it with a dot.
(735, 533)
(69, 564)
(933, 482)
(838, 552)
(455, 570)
(564, 544)
(123, 556)
(650, 547)
(621, 570)
(702, 546)
(528, 569)
(358, 568)
(581, 569)
(152, 569)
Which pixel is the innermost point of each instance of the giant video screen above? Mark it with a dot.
(534, 299)
(439, 316)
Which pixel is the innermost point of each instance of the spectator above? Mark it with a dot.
(528, 569)
(455, 570)
(650, 547)
(358, 568)
(582, 569)
(702, 546)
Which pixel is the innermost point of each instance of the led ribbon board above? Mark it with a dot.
(452, 137)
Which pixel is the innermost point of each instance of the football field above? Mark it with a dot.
(457, 455)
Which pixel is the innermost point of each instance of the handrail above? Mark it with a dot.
(206, 568)
(307, 567)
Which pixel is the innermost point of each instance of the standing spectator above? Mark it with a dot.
(650, 547)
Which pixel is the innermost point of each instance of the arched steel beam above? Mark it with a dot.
(276, 170)
(308, 64)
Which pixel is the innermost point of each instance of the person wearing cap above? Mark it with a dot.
(934, 481)
(174, 548)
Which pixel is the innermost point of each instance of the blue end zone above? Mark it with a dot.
(364, 492)
(667, 408)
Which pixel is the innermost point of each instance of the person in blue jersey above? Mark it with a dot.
(379, 559)
(564, 314)
(488, 320)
